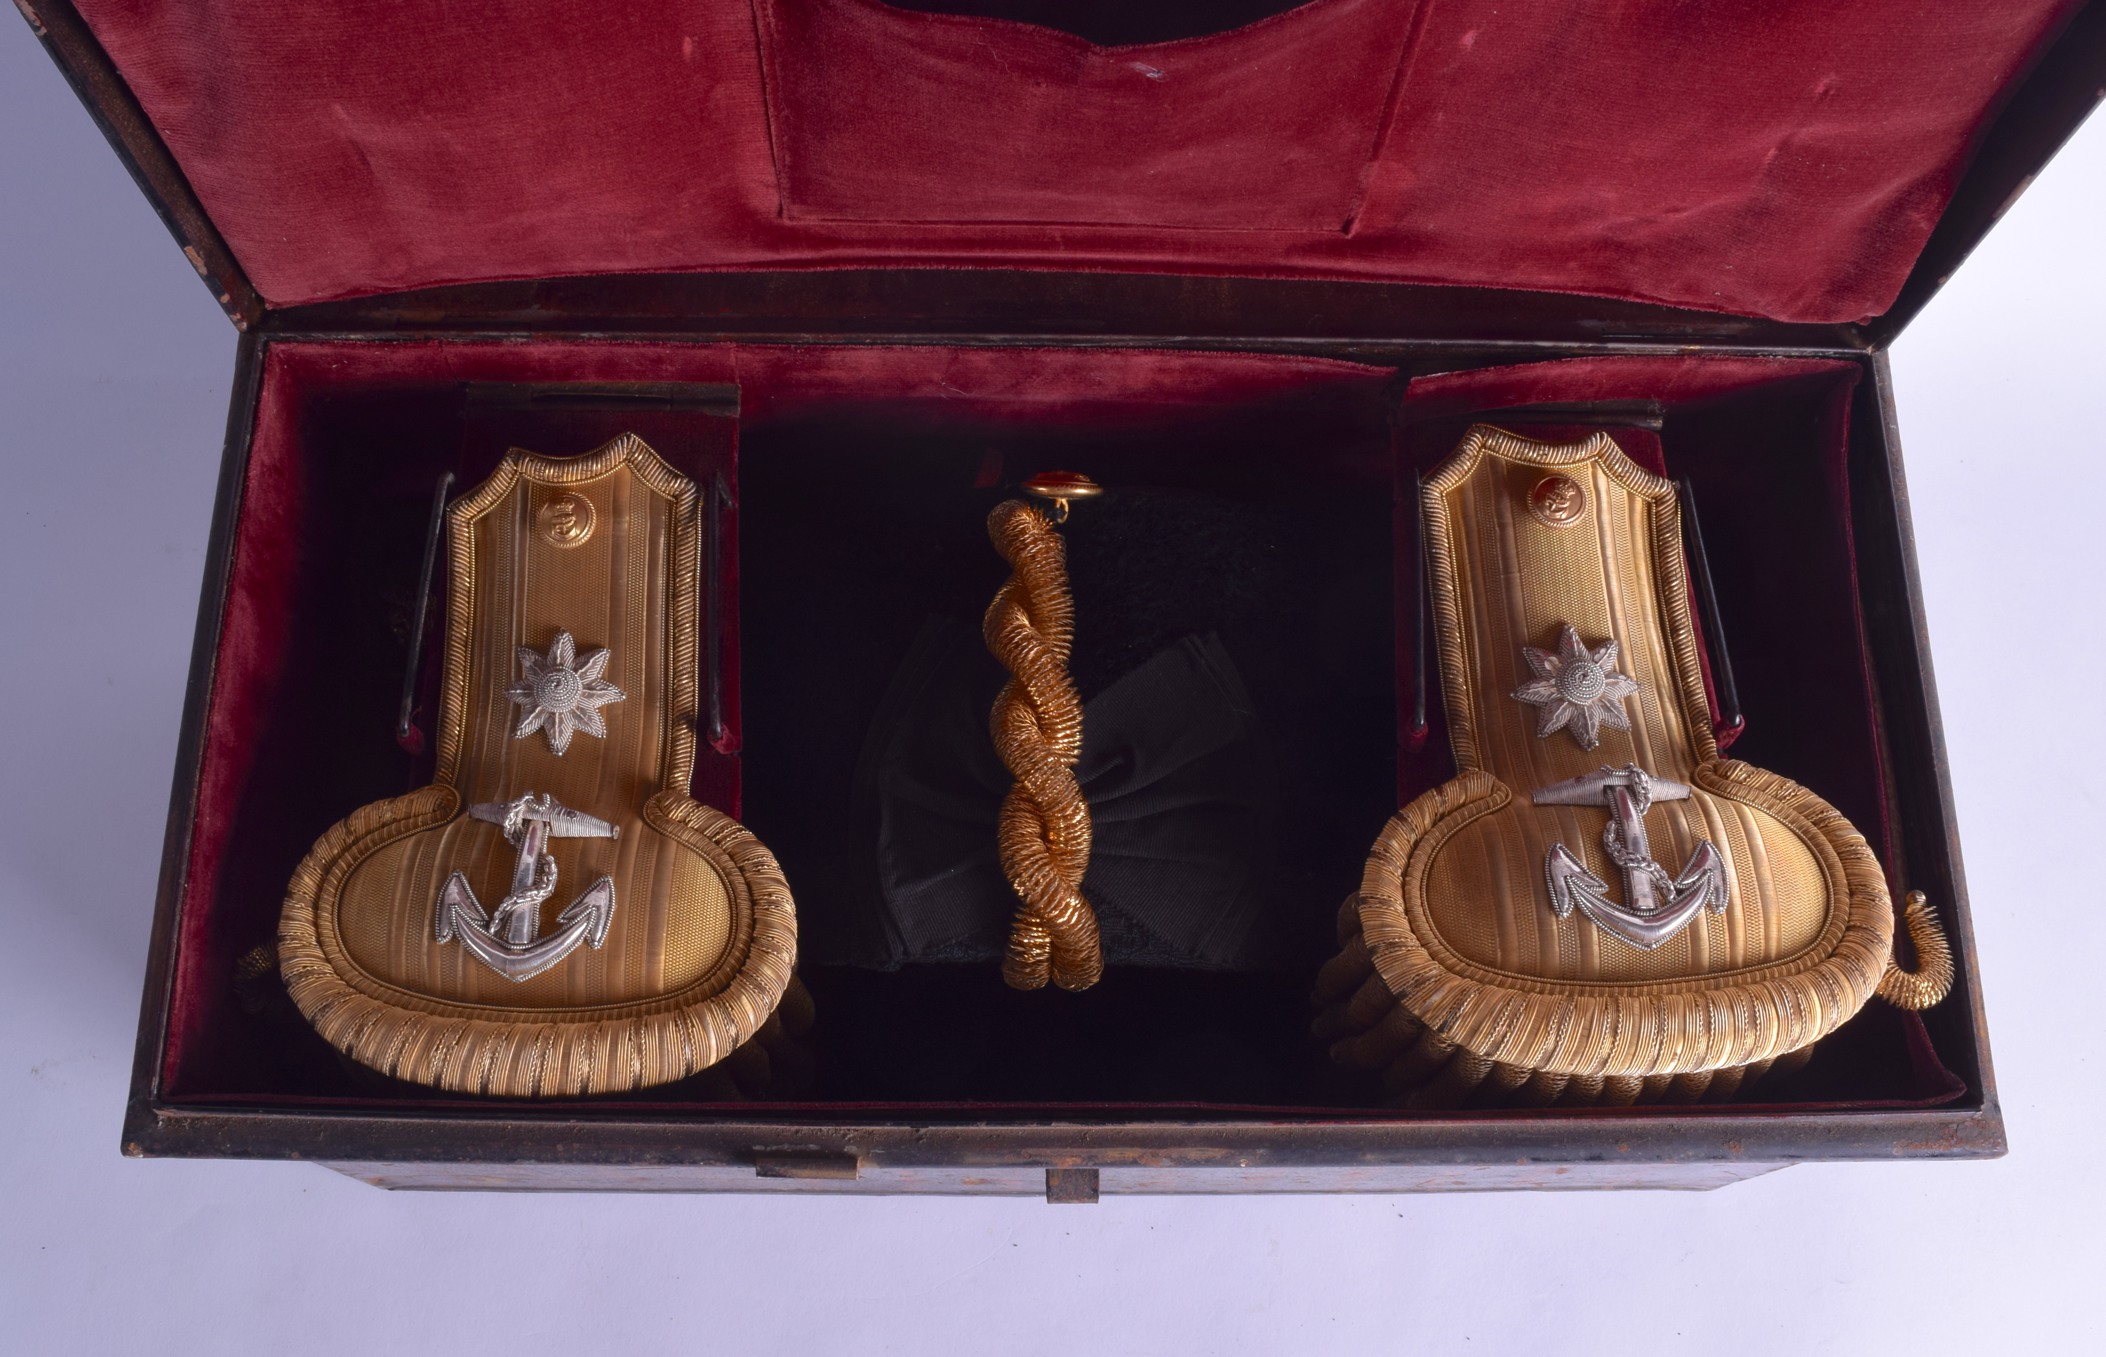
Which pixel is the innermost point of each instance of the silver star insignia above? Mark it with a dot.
(1576, 689)
(562, 693)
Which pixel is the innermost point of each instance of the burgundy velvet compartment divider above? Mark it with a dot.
(1786, 159)
(348, 437)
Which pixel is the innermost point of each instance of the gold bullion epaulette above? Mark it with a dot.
(553, 915)
(1597, 908)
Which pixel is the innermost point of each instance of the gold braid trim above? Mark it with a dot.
(539, 1053)
(1931, 981)
(1627, 1029)
(1417, 1069)
(1044, 829)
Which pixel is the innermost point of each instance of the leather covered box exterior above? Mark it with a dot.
(824, 297)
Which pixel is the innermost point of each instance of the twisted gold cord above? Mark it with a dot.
(1931, 981)
(1044, 829)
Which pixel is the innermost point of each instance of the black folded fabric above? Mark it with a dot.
(1181, 781)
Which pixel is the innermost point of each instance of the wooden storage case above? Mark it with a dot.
(1144, 254)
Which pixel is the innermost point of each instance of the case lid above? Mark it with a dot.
(1789, 160)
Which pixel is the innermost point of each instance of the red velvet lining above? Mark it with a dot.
(1786, 160)
(349, 435)
(1267, 128)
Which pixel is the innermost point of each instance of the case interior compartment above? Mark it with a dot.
(866, 472)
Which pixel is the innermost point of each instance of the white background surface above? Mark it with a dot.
(114, 366)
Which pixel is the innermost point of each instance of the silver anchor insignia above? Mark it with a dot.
(1657, 906)
(507, 939)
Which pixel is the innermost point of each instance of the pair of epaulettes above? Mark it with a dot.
(1595, 909)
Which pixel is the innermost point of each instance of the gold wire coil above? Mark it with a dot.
(1044, 829)
(1931, 981)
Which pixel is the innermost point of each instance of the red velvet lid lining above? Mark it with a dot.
(1786, 160)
